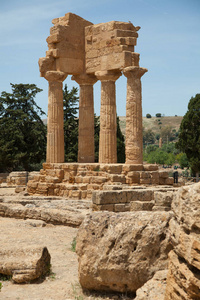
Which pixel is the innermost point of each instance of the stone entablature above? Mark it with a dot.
(93, 52)
(78, 181)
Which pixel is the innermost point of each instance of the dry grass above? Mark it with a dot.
(152, 123)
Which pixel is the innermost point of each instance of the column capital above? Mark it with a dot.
(108, 75)
(85, 79)
(134, 72)
(55, 76)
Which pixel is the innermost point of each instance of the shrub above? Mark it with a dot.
(158, 115)
(148, 116)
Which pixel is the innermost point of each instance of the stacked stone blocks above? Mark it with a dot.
(78, 181)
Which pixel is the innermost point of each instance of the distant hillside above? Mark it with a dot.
(155, 124)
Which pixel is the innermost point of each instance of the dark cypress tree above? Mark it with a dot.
(189, 136)
(70, 101)
(120, 144)
(22, 131)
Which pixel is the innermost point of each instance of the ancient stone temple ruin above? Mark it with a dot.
(93, 52)
(90, 53)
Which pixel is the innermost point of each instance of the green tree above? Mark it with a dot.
(70, 101)
(189, 136)
(182, 160)
(164, 156)
(148, 136)
(22, 131)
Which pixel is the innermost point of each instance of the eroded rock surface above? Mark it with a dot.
(154, 289)
(24, 264)
(183, 280)
(122, 251)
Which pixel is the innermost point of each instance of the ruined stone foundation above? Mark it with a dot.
(78, 181)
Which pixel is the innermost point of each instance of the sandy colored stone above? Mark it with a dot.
(121, 251)
(154, 289)
(108, 119)
(139, 205)
(17, 233)
(186, 207)
(183, 280)
(54, 216)
(134, 142)
(24, 264)
(183, 283)
(90, 53)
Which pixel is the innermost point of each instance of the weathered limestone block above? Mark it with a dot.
(145, 177)
(154, 289)
(110, 46)
(140, 195)
(134, 167)
(3, 177)
(109, 197)
(169, 181)
(186, 206)
(155, 177)
(111, 168)
(151, 167)
(120, 251)
(163, 199)
(121, 207)
(24, 264)
(17, 178)
(133, 177)
(183, 282)
(163, 174)
(113, 187)
(139, 205)
(118, 178)
(53, 216)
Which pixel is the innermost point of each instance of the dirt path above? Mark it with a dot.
(62, 283)
(59, 285)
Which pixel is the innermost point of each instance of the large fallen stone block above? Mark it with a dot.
(154, 289)
(53, 216)
(186, 206)
(24, 265)
(122, 251)
(183, 279)
(183, 282)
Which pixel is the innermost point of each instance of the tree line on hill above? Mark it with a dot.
(23, 133)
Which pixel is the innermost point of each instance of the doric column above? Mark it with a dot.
(108, 118)
(55, 121)
(134, 139)
(86, 118)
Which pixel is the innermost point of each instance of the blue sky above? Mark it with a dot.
(168, 43)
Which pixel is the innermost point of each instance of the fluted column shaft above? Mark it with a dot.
(55, 121)
(108, 118)
(134, 138)
(86, 153)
